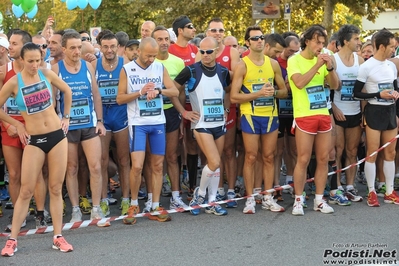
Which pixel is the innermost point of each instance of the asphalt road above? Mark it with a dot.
(263, 238)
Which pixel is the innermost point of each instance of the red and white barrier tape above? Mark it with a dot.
(86, 223)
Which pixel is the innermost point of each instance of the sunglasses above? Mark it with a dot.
(43, 46)
(214, 30)
(256, 38)
(84, 39)
(233, 45)
(210, 51)
(189, 26)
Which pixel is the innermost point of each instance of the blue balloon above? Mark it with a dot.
(82, 4)
(17, 10)
(95, 3)
(71, 4)
(33, 13)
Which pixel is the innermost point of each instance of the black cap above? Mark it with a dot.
(131, 42)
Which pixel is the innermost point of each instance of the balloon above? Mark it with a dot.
(28, 5)
(71, 4)
(16, 2)
(33, 13)
(95, 3)
(82, 4)
(17, 10)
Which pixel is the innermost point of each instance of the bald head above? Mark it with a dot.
(147, 28)
(209, 42)
(148, 50)
(231, 41)
(148, 42)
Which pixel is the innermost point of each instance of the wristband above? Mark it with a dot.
(275, 93)
(140, 92)
(330, 69)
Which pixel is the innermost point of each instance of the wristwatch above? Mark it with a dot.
(330, 69)
(100, 120)
(159, 90)
(66, 116)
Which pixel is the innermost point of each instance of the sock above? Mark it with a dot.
(96, 206)
(333, 192)
(125, 199)
(192, 161)
(175, 194)
(221, 190)
(389, 172)
(134, 202)
(75, 208)
(39, 213)
(155, 205)
(318, 197)
(149, 197)
(288, 178)
(257, 190)
(369, 172)
(380, 184)
(350, 187)
(213, 185)
(299, 197)
(54, 237)
(230, 190)
(105, 200)
(206, 176)
(334, 177)
(342, 188)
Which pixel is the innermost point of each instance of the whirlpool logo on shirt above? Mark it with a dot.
(143, 80)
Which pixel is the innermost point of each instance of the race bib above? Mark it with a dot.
(11, 107)
(385, 86)
(347, 90)
(80, 112)
(37, 97)
(262, 101)
(285, 107)
(213, 110)
(149, 108)
(108, 91)
(317, 97)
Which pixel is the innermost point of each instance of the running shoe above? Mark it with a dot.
(97, 214)
(269, 203)
(339, 199)
(10, 248)
(297, 208)
(396, 183)
(322, 206)
(166, 186)
(111, 200)
(343, 178)
(114, 183)
(289, 190)
(372, 199)
(76, 215)
(258, 198)
(84, 204)
(381, 191)
(105, 207)
(249, 206)
(239, 187)
(9, 226)
(392, 198)
(220, 197)
(352, 195)
(131, 212)
(177, 203)
(216, 209)
(125, 204)
(231, 196)
(361, 178)
(283, 170)
(196, 201)
(163, 217)
(4, 194)
(147, 206)
(61, 244)
(304, 200)
(9, 205)
(185, 181)
(142, 194)
(40, 222)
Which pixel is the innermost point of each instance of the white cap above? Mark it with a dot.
(4, 42)
(172, 34)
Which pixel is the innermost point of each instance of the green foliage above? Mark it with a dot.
(128, 15)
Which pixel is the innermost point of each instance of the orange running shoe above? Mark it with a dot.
(164, 217)
(10, 248)
(393, 198)
(133, 210)
(62, 245)
(372, 200)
